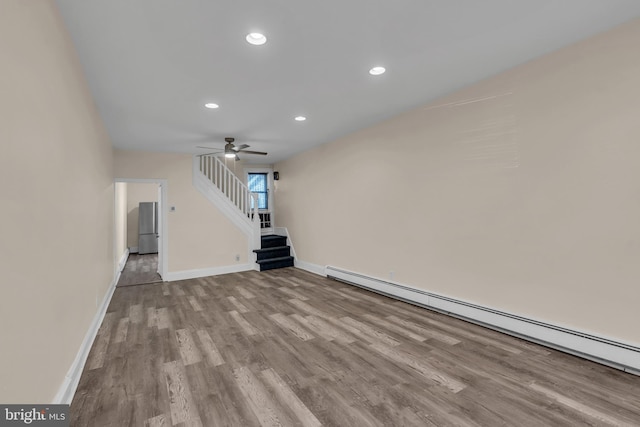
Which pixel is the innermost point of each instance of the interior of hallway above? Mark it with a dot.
(140, 270)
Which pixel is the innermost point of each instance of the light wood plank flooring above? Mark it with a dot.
(140, 270)
(285, 347)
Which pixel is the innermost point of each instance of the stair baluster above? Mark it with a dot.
(234, 191)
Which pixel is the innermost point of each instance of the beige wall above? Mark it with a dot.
(521, 193)
(57, 200)
(199, 235)
(120, 220)
(136, 193)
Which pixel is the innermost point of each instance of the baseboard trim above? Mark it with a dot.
(70, 383)
(122, 262)
(619, 355)
(310, 267)
(173, 276)
(133, 250)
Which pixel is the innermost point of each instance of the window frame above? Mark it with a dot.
(265, 192)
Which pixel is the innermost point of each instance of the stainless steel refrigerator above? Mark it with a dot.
(148, 228)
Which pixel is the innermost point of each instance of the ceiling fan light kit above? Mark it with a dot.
(231, 151)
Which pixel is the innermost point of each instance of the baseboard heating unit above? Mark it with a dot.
(616, 354)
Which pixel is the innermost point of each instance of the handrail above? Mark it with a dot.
(218, 174)
(225, 180)
(257, 241)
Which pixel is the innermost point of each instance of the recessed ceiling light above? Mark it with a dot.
(256, 38)
(300, 119)
(376, 71)
(211, 105)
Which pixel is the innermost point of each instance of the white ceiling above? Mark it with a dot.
(152, 64)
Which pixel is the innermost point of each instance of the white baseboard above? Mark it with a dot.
(70, 383)
(133, 250)
(172, 276)
(620, 355)
(312, 268)
(122, 262)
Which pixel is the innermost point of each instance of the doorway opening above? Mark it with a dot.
(140, 270)
(141, 238)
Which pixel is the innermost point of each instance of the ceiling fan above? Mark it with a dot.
(231, 150)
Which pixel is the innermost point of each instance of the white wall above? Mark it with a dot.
(120, 219)
(57, 198)
(520, 193)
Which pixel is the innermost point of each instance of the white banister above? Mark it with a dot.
(224, 180)
(234, 190)
(257, 241)
(225, 189)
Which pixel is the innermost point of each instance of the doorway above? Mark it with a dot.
(140, 217)
(140, 270)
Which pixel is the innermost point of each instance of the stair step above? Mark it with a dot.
(272, 241)
(272, 263)
(275, 252)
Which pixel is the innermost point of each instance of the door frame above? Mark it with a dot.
(163, 210)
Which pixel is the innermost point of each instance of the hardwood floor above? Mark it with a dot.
(285, 347)
(140, 270)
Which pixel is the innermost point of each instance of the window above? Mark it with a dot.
(258, 184)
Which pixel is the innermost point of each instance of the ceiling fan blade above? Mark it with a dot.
(262, 153)
(240, 147)
(237, 158)
(214, 153)
(210, 148)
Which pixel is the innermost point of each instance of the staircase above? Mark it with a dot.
(274, 253)
(214, 180)
(218, 184)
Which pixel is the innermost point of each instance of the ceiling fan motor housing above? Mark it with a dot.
(230, 148)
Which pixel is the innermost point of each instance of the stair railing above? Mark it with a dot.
(235, 191)
(225, 180)
(257, 242)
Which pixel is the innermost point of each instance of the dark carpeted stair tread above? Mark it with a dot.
(275, 252)
(273, 240)
(273, 263)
